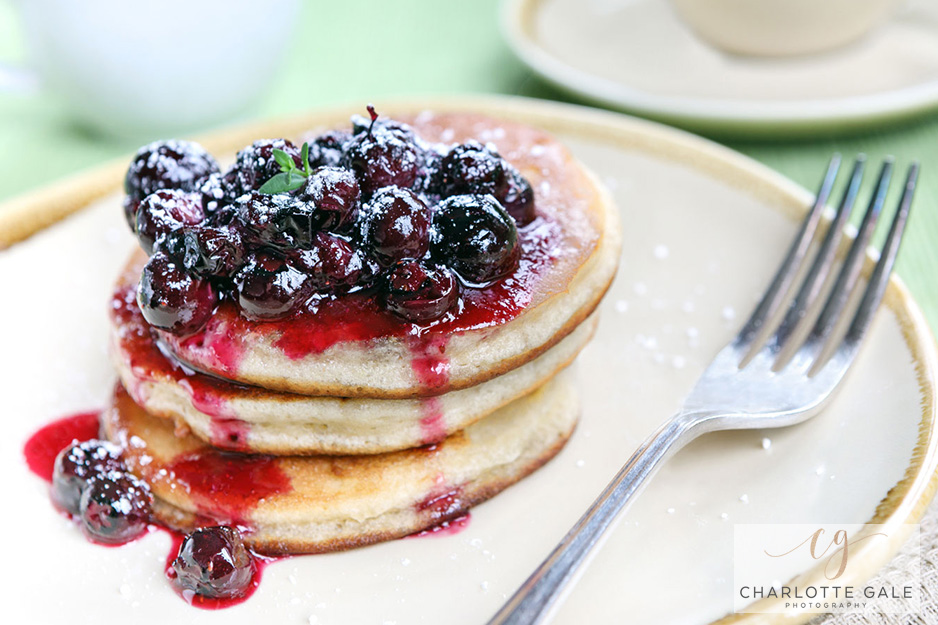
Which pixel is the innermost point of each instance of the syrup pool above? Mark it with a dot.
(233, 482)
(41, 449)
(43, 446)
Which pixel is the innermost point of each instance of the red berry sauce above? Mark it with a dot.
(237, 484)
(446, 528)
(230, 483)
(208, 395)
(432, 424)
(43, 446)
(441, 505)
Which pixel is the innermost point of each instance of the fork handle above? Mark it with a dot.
(531, 602)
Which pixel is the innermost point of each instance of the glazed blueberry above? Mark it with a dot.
(277, 220)
(213, 562)
(375, 199)
(225, 215)
(330, 262)
(517, 196)
(171, 299)
(419, 292)
(270, 288)
(335, 194)
(429, 178)
(375, 124)
(327, 149)
(115, 508)
(206, 251)
(76, 465)
(212, 194)
(396, 225)
(130, 212)
(255, 165)
(171, 164)
(471, 168)
(476, 237)
(381, 159)
(162, 212)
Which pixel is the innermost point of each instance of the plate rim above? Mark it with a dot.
(715, 114)
(906, 502)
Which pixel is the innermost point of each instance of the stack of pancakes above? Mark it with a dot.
(359, 440)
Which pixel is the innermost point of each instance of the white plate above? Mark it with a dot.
(637, 55)
(704, 227)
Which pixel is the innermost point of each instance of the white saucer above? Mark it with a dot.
(638, 56)
(703, 229)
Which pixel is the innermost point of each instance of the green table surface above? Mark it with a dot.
(356, 51)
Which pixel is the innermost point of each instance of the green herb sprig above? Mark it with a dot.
(290, 177)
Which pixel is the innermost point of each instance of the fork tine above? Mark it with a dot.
(789, 267)
(825, 256)
(850, 272)
(887, 259)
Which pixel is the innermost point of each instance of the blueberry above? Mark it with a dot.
(471, 168)
(381, 159)
(115, 508)
(327, 149)
(213, 562)
(172, 299)
(212, 194)
(517, 196)
(335, 194)
(270, 288)
(76, 465)
(255, 165)
(162, 212)
(173, 164)
(476, 237)
(396, 225)
(429, 179)
(279, 220)
(206, 251)
(419, 292)
(330, 262)
(131, 206)
(375, 124)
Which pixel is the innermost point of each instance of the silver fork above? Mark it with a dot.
(761, 379)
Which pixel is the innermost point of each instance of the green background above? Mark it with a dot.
(355, 51)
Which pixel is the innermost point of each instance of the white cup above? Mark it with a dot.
(147, 69)
(782, 27)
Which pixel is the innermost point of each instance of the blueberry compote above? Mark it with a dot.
(210, 568)
(91, 483)
(420, 231)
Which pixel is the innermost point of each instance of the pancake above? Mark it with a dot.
(312, 504)
(252, 419)
(350, 347)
